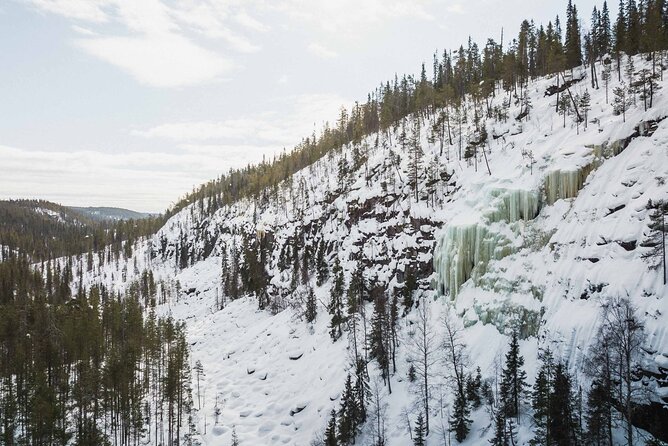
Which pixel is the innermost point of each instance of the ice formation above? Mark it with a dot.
(464, 249)
(565, 183)
(511, 205)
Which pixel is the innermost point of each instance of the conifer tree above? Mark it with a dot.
(656, 241)
(585, 106)
(460, 420)
(513, 380)
(380, 338)
(420, 431)
(311, 306)
(416, 153)
(572, 44)
(621, 102)
(336, 305)
(330, 431)
(562, 418)
(348, 415)
(619, 33)
(542, 400)
(598, 415)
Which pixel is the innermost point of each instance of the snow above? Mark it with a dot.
(535, 246)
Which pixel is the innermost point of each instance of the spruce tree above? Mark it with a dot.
(336, 305)
(620, 103)
(348, 415)
(572, 44)
(379, 339)
(311, 306)
(561, 411)
(500, 437)
(513, 379)
(420, 431)
(598, 414)
(656, 241)
(460, 420)
(585, 106)
(330, 431)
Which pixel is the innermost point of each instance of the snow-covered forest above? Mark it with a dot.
(472, 256)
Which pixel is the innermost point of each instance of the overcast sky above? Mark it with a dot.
(132, 103)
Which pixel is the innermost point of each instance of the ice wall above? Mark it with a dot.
(465, 249)
(511, 205)
(565, 183)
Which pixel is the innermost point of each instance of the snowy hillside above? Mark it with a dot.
(534, 231)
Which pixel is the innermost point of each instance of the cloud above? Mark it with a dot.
(322, 51)
(144, 181)
(251, 23)
(159, 61)
(85, 10)
(298, 117)
(83, 31)
(160, 43)
(350, 19)
(456, 8)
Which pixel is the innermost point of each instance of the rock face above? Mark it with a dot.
(537, 245)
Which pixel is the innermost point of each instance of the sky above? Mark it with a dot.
(133, 103)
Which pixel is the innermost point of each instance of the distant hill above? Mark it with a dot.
(110, 213)
(42, 229)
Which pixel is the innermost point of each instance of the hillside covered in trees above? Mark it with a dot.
(475, 255)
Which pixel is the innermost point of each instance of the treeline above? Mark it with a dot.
(45, 230)
(90, 370)
(472, 69)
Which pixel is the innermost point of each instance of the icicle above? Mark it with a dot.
(561, 184)
(464, 251)
(512, 205)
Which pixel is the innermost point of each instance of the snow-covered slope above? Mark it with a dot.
(535, 232)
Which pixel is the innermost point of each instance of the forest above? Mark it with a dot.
(127, 379)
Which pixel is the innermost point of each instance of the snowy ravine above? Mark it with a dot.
(539, 244)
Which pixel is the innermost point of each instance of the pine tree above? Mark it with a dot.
(620, 103)
(460, 420)
(380, 338)
(541, 400)
(604, 32)
(598, 416)
(311, 306)
(656, 241)
(199, 373)
(415, 153)
(336, 305)
(633, 29)
(500, 437)
(348, 415)
(513, 380)
(362, 388)
(330, 431)
(420, 431)
(561, 417)
(410, 285)
(585, 106)
(572, 44)
(474, 389)
(619, 33)
(322, 271)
